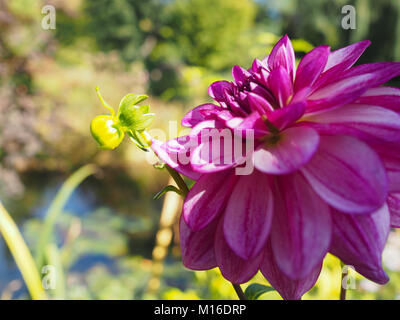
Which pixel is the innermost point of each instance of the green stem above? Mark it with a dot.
(21, 254)
(179, 181)
(239, 291)
(342, 287)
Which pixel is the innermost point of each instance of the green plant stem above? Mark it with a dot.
(239, 291)
(21, 254)
(178, 180)
(342, 287)
(56, 207)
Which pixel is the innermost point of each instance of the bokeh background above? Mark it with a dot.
(104, 236)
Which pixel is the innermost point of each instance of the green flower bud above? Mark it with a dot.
(106, 132)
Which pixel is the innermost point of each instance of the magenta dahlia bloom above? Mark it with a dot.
(326, 175)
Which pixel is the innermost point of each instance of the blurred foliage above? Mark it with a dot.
(172, 50)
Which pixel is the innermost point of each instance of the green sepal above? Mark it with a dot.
(132, 99)
(165, 190)
(138, 140)
(255, 290)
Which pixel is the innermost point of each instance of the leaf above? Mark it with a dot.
(165, 190)
(255, 290)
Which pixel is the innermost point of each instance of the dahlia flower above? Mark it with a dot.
(325, 142)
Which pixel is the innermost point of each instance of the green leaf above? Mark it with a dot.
(255, 290)
(165, 190)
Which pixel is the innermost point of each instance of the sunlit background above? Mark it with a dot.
(103, 238)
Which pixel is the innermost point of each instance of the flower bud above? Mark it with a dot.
(106, 132)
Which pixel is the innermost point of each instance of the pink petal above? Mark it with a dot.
(283, 55)
(207, 198)
(281, 85)
(248, 215)
(366, 122)
(289, 289)
(310, 67)
(358, 240)
(347, 174)
(259, 104)
(240, 75)
(282, 118)
(392, 166)
(217, 90)
(174, 153)
(352, 83)
(294, 149)
(301, 231)
(200, 114)
(219, 150)
(394, 208)
(197, 247)
(233, 268)
(386, 97)
(344, 58)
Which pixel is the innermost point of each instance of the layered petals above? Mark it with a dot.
(301, 232)
(358, 240)
(207, 198)
(288, 288)
(311, 67)
(197, 247)
(234, 268)
(351, 85)
(176, 154)
(295, 147)
(394, 208)
(248, 215)
(386, 97)
(370, 123)
(282, 55)
(348, 175)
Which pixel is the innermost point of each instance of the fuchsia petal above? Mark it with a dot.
(366, 122)
(207, 198)
(217, 90)
(233, 268)
(347, 174)
(197, 247)
(248, 215)
(392, 166)
(353, 83)
(295, 148)
(175, 154)
(394, 208)
(281, 85)
(358, 240)
(301, 232)
(344, 58)
(259, 104)
(282, 118)
(200, 114)
(283, 55)
(251, 122)
(289, 289)
(219, 150)
(310, 67)
(386, 97)
(240, 75)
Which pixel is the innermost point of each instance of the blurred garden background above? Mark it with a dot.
(102, 239)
